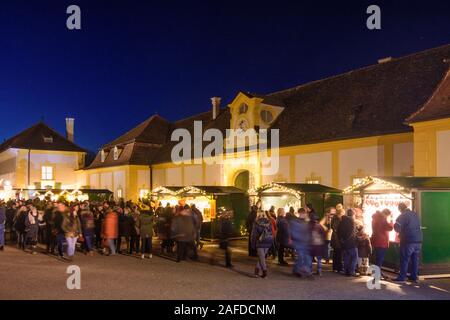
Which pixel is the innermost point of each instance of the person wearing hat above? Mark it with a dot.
(347, 238)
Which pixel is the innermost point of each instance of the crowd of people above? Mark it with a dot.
(339, 237)
(108, 227)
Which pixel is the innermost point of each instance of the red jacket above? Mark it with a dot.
(380, 230)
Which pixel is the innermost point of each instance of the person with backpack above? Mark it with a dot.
(347, 237)
(261, 241)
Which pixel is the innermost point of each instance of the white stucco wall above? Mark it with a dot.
(213, 175)
(403, 158)
(143, 179)
(365, 160)
(119, 183)
(8, 161)
(282, 174)
(106, 181)
(94, 181)
(173, 176)
(320, 164)
(193, 175)
(443, 153)
(158, 177)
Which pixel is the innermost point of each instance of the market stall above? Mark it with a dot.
(69, 195)
(209, 199)
(428, 196)
(296, 195)
(165, 195)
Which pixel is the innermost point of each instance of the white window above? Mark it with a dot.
(102, 156)
(313, 181)
(119, 193)
(46, 173)
(243, 108)
(48, 139)
(116, 153)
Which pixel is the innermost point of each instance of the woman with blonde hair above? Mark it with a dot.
(261, 240)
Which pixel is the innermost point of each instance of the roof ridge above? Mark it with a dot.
(427, 51)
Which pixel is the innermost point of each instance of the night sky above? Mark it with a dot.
(136, 58)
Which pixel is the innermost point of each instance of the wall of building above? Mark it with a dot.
(8, 163)
(431, 148)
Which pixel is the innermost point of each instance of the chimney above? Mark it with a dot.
(215, 107)
(70, 123)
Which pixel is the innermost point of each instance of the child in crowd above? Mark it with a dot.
(364, 249)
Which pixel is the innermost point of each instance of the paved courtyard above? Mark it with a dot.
(26, 276)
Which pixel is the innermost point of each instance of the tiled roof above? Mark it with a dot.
(40, 137)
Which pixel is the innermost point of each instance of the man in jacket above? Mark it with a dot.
(408, 227)
(225, 233)
(87, 227)
(347, 238)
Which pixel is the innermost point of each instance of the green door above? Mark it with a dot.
(435, 214)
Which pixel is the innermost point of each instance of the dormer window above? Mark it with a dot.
(102, 156)
(266, 116)
(116, 153)
(48, 139)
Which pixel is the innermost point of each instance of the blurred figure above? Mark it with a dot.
(124, 230)
(58, 218)
(2, 225)
(110, 230)
(326, 224)
(19, 225)
(347, 238)
(381, 226)
(301, 239)
(183, 232)
(49, 228)
(249, 225)
(198, 225)
(225, 233)
(283, 236)
(135, 235)
(261, 241)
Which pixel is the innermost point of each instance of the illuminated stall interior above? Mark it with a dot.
(165, 195)
(296, 195)
(428, 196)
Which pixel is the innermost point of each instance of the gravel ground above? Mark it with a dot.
(26, 276)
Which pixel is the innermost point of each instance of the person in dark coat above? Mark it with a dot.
(49, 228)
(135, 238)
(249, 225)
(124, 231)
(347, 238)
(318, 242)
(225, 233)
(19, 225)
(381, 226)
(58, 218)
(261, 241)
(98, 222)
(335, 243)
(183, 232)
(283, 236)
(87, 228)
(198, 225)
(9, 223)
(32, 229)
(301, 240)
(409, 229)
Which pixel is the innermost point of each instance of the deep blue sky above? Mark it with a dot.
(134, 58)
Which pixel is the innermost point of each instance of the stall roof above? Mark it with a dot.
(70, 190)
(420, 182)
(216, 190)
(310, 187)
(402, 182)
